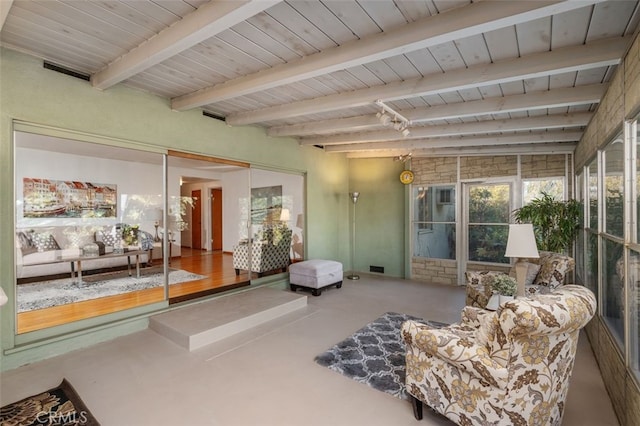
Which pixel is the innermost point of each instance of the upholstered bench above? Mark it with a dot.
(315, 274)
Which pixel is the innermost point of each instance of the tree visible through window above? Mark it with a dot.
(488, 219)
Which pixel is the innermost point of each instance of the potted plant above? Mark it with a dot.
(505, 287)
(555, 223)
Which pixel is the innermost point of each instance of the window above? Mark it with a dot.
(533, 188)
(434, 220)
(614, 188)
(593, 194)
(488, 212)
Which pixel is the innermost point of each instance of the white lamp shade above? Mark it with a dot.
(521, 241)
(285, 215)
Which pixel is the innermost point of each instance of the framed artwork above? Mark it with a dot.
(47, 198)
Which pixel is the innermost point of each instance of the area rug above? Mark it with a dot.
(374, 355)
(45, 294)
(58, 406)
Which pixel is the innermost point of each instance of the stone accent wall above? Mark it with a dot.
(438, 271)
(540, 166)
(435, 170)
(485, 167)
(608, 119)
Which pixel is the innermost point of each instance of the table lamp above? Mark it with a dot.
(521, 244)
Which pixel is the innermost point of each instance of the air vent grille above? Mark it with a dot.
(67, 71)
(212, 115)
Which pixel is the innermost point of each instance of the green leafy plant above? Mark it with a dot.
(555, 223)
(505, 285)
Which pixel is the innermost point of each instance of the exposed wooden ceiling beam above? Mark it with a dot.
(541, 148)
(600, 53)
(490, 126)
(453, 24)
(199, 25)
(563, 97)
(515, 139)
(5, 5)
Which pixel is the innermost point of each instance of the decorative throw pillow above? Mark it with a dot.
(532, 273)
(26, 244)
(107, 236)
(45, 242)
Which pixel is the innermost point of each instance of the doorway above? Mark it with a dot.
(196, 220)
(215, 197)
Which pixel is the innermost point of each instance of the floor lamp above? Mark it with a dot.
(354, 197)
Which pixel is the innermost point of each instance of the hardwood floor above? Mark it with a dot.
(216, 266)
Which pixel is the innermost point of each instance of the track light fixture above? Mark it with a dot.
(403, 158)
(399, 122)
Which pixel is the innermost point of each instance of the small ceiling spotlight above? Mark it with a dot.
(403, 158)
(400, 123)
(384, 119)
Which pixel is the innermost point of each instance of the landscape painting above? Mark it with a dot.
(47, 198)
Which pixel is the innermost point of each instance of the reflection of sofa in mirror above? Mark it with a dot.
(41, 251)
(269, 253)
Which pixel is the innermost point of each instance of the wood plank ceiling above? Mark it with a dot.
(464, 77)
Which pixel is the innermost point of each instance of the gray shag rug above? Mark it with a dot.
(45, 294)
(374, 355)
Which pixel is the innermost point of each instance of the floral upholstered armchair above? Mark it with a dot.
(511, 366)
(544, 274)
(272, 252)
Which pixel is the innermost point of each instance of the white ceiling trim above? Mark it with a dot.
(543, 148)
(453, 24)
(597, 54)
(203, 23)
(498, 126)
(516, 139)
(565, 97)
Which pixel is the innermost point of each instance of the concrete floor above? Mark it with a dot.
(267, 376)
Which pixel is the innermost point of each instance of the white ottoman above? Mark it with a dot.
(315, 274)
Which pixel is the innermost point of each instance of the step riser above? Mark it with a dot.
(172, 325)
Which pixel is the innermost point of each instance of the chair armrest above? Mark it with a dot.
(471, 315)
(459, 351)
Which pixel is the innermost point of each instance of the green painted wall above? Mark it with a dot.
(380, 215)
(32, 94)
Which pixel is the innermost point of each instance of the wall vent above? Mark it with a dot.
(67, 71)
(212, 115)
(379, 269)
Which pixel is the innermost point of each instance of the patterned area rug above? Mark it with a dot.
(58, 406)
(44, 294)
(374, 355)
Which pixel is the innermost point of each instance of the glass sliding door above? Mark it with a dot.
(275, 220)
(206, 221)
(85, 216)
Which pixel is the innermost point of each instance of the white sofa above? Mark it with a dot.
(38, 250)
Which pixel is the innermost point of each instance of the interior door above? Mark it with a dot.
(196, 220)
(216, 219)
